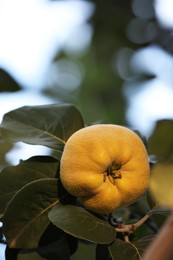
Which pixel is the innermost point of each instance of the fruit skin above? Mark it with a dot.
(91, 154)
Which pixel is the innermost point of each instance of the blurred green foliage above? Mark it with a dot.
(100, 95)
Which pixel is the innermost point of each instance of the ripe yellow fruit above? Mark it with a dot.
(106, 166)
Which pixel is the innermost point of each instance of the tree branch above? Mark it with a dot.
(132, 227)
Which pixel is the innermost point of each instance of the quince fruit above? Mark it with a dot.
(106, 166)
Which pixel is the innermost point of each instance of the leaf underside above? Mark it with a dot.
(127, 250)
(13, 178)
(48, 125)
(25, 217)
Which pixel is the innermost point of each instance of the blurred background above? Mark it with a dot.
(112, 59)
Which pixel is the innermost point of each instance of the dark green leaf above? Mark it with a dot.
(161, 141)
(25, 217)
(7, 83)
(102, 252)
(82, 224)
(49, 125)
(72, 243)
(11, 253)
(57, 250)
(51, 236)
(5, 147)
(29, 256)
(122, 250)
(13, 178)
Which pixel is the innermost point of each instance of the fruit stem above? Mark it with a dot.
(132, 227)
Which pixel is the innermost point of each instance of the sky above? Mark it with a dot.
(35, 32)
(59, 23)
(154, 100)
(164, 12)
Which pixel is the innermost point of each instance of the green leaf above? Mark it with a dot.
(81, 224)
(49, 125)
(13, 178)
(25, 217)
(160, 142)
(122, 250)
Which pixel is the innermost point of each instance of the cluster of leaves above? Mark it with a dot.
(41, 220)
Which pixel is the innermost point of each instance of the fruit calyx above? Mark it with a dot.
(112, 172)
